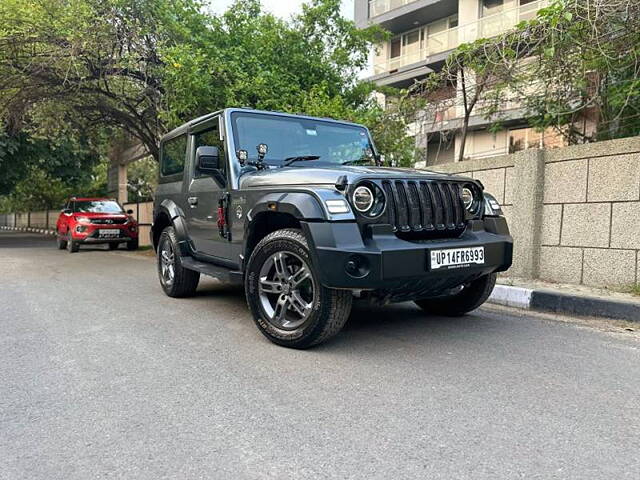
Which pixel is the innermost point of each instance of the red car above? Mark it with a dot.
(95, 220)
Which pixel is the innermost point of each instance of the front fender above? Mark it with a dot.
(302, 205)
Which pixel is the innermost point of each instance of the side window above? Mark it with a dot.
(173, 155)
(211, 138)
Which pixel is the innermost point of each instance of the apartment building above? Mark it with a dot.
(424, 33)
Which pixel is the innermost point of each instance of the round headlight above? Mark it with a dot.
(363, 199)
(467, 198)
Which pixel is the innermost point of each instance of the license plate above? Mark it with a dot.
(457, 257)
(109, 232)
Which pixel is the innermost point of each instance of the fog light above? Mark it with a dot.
(357, 266)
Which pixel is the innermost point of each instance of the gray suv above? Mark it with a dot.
(301, 212)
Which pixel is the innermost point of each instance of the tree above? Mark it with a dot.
(90, 61)
(149, 65)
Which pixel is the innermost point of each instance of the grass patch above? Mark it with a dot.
(632, 289)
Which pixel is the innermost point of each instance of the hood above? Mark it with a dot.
(100, 215)
(330, 175)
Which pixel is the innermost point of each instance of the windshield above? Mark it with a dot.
(96, 206)
(293, 137)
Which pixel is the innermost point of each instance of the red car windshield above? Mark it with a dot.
(96, 206)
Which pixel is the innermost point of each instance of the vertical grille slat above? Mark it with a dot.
(403, 207)
(448, 206)
(456, 196)
(425, 208)
(415, 221)
(437, 206)
(391, 205)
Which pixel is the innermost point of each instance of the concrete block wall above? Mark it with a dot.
(574, 212)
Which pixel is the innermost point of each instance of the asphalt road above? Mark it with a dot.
(102, 376)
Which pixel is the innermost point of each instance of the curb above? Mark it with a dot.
(565, 303)
(42, 231)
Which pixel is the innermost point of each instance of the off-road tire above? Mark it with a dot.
(331, 308)
(72, 245)
(132, 245)
(185, 281)
(61, 242)
(471, 297)
(113, 246)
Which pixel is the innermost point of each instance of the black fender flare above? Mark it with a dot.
(300, 205)
(178, 221)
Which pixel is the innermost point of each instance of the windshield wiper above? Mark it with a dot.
(359, 161)
(302, 158)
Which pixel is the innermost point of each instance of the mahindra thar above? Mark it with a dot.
(303, 214)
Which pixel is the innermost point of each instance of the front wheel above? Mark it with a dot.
(113, 246)
(288, 303)
(132, 244)
(61, 242)
(469, 298)
(176, 281)
(72, 245)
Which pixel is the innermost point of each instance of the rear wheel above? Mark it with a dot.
(132, 244)
(469, 298)
(289, 304)
(176, 281)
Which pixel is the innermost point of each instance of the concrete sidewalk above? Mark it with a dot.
(566, 299)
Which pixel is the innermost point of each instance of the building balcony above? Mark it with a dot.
(378, 7)
(424, 45)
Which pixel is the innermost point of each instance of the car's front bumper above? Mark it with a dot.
(401, 267)
(93, 236)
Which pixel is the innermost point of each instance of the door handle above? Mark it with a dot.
(193, 201)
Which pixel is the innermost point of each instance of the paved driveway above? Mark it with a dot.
(102, 376)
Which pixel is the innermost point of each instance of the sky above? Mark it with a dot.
(281, 8)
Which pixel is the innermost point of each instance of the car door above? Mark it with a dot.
(204, 193)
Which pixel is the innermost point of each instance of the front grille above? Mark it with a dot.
(424, 209)
(108, 221)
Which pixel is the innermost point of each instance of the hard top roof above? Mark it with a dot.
(186, 127)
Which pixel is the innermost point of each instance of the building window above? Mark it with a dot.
(489, 7)
(527, 138)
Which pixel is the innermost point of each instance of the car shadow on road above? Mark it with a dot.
(402, 321)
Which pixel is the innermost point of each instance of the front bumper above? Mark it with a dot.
(401, 268)
(92, 235)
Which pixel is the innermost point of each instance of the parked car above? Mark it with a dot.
(85, 221)
(300, 211)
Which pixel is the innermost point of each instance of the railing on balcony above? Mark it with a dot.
(449, 39)
(378, 7)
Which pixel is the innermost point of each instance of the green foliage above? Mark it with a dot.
(69, 159)
(38, 190)
(142, 179)
(74, 72)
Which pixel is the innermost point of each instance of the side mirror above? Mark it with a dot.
(67, 211)
(208, 159)
(129, 212)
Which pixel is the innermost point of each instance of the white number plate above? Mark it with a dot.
(457, 257)
(109, 232)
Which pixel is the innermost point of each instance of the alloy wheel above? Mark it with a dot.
(287, 290)
(167, 263)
